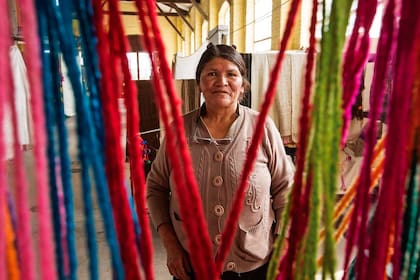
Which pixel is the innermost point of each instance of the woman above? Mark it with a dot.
(218, 135)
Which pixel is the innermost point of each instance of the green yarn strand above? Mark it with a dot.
(326, 129)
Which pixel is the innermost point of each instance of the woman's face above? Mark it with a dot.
(221, 83)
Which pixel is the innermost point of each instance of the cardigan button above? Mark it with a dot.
(218, 156)
(219, 210)
(217, 181)
(230, 266)
(218, 239)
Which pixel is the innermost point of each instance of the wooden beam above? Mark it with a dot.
(172, 24)
(179, 11)
(135, 14)
(197, 5)
(175, 1)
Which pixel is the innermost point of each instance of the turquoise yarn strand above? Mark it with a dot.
(90, 154)
(410, 239)
(88, 41)
(47, 54)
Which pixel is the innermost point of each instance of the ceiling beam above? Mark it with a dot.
(197, 5)
(175, 1)
(127, 13)
(179, 11)
(172, 24)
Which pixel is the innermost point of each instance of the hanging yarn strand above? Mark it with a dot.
(114, 157)
(90, 150)
(355, 58)
(388, 216)
(5, 87)
(381, 228)
(191, 209)
(322, 160)
(136, 164)
(410, 237)
(385, 53)
(298, 202)
(32, 55)
(229, 231)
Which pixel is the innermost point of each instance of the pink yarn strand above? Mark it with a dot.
(357, 225)
(389, 213)
(32, 55)
(5, 87)
(355, 59)
(23, 232)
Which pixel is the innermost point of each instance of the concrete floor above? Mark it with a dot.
(159, 257)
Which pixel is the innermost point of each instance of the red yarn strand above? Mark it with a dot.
(136, 164)
(110, 90)
(300, 203)
(229, 231)
(190, 202)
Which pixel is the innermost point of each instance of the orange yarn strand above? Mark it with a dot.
(11, 254)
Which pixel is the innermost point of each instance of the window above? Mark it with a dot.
(224, 20)
(376, 24)
(139, 65)
(262, 25)
(204, 31)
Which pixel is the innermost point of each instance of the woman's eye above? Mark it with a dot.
(211, 74)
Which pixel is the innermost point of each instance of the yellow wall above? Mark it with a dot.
(241, 30)
(132, 27)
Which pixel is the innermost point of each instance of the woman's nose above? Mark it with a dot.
(222, 79)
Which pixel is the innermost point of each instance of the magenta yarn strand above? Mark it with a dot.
(390, 200)
(385, 52)
(198, 237)
(5, 87)
(24, 228)
(355, 59)
(32, 54)
(229, 230)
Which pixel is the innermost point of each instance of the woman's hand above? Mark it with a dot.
(178, 262)
(177, 258)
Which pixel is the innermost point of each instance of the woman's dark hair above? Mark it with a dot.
(224, 51)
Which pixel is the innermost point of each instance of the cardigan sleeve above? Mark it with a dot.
(282, 171)
(158, 188)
